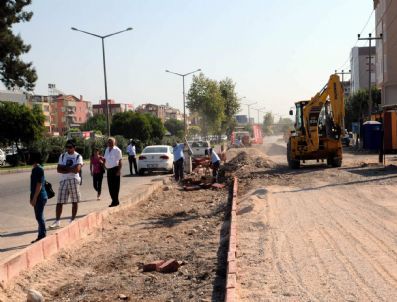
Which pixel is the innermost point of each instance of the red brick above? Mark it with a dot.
(83, 226)
(233, 230)
(153, 266)
(35, 253)
(218, 186)
(3, 273)
(231, 281)
(50, 246)
(232, 241)
(169, 266)
(92, 220)
(17, 264)
(232, 267)
(63, 238)
(233, 217)
(231, 295)
(234, 204)
(74, 232)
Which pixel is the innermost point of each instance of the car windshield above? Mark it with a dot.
(155, 150)
(199, 144)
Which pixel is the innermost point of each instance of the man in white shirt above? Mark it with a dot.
(113, 166)
(69, 166)
(131, 151)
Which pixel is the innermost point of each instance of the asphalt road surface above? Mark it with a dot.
(17, 223)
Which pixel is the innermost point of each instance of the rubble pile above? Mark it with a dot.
(243, 163)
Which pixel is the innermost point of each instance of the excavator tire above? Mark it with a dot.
(334, 161)
(292, 163)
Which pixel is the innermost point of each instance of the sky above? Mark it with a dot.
(277, 52)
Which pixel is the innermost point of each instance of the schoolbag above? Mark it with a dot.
(81, 171)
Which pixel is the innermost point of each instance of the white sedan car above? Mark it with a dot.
(156, 158)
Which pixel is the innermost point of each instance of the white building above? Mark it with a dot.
(359, 60)
(13, 96)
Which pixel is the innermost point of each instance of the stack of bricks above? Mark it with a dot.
(231, 278)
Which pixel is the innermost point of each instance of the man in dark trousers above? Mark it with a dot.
(113, 166)
(131, 151)
(179, 160)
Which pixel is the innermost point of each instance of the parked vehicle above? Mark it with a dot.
(2, 158)
(156, 158)
(200, 148)
(346, 139)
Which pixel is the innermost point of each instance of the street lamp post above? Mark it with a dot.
(183, 91)
(249, 105)
(259, 110)
(104, 67)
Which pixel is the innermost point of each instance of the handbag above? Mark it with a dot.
(49, 190)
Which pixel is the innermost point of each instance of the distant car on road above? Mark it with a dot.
(200, 148)
(156, 158)
(2, 158)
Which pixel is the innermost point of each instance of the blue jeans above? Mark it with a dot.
(39, 213)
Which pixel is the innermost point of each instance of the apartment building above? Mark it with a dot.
(113, 108)
(386, 50)
(68, 111)
(359, 60)
(156, 110)
(44, 103)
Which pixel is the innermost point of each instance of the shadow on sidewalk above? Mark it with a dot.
(13, 248)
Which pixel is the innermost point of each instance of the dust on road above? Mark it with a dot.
(318, 234)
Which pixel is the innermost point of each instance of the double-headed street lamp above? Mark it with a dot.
(104, 67)
(249, 105)
(259, 110)
(183, 83)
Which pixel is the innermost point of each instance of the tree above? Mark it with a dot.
(356, 106)
(194, 130)
(205, 98)
(20, 124)
(175, 127)
(231, 104)
(143, 127)
(283, 125)
(95, 123)
(268, 121)
(13, 71)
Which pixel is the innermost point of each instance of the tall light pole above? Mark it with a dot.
(259, 110)
(104, 67)
(183, 90)
(249, 105)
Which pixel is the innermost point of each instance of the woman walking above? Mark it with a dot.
(38, 194)
(97, 169)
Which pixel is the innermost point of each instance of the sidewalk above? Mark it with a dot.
(14, 239)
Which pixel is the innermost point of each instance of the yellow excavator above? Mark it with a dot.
(319, 127)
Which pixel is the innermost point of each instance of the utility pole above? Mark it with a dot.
(259, 110)
(370, 39)
(342, 73)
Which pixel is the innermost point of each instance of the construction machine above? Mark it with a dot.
(319, 127)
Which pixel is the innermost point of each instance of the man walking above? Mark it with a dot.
(215, 163)
(178, 160)
(113, 165)
(131, 151)
(69, 166)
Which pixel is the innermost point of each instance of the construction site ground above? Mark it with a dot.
(313, 234)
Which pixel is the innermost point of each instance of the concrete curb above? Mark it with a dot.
(231, 278)
(65, 237)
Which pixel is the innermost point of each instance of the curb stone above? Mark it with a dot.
(64, 237)
(231, 279)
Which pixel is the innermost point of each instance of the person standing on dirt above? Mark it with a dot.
(215, 163)
(97, 170)
(38, 194)
(179, 160)
(131, 151)
(69, 167)
(113, 165)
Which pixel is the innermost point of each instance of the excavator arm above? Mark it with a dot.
(332, 93)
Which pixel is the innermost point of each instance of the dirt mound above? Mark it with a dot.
(243, 162)
(276, 149)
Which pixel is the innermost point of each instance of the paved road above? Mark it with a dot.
(17, 223)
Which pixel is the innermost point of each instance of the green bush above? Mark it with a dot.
(121, 142)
